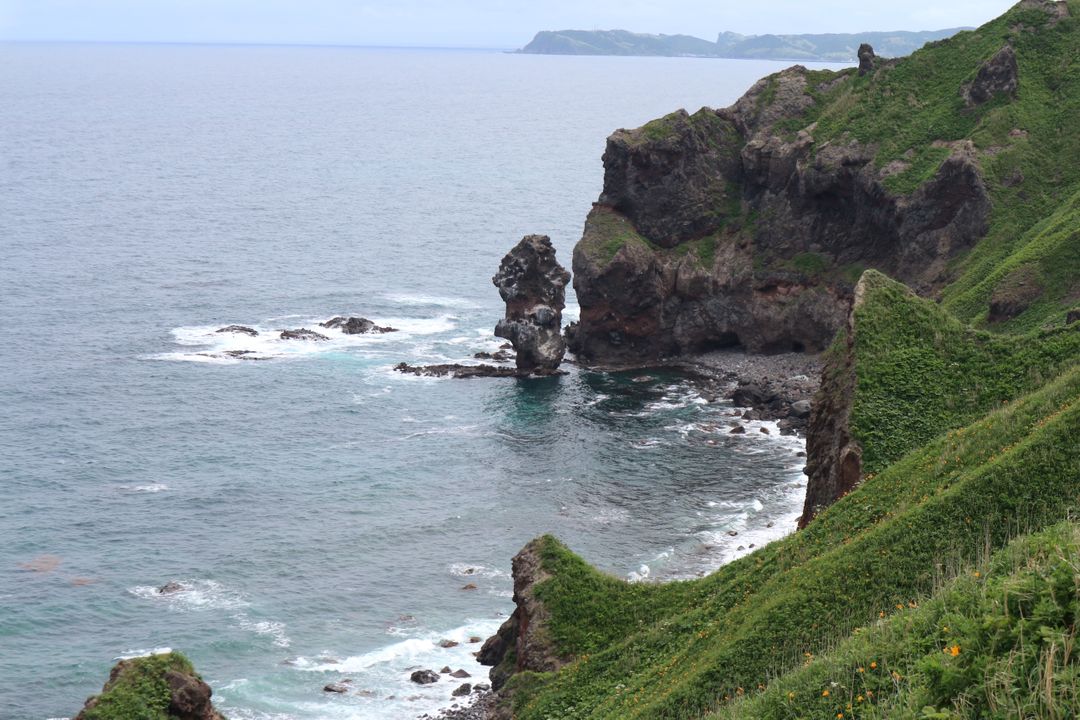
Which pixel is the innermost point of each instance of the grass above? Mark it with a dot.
(677, 650)
(929, 372)
(995, 641)
(139, 691)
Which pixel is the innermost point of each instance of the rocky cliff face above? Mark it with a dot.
(533, 286)
(738, 227)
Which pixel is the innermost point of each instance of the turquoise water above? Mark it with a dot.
(323, 511)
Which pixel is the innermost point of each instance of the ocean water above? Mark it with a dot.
(322, 511)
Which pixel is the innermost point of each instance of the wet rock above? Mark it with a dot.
(171, 588)
(342, 686)
(462, 690)
(998, 75)
(866, 59)
(476, 639)
(469, 371)
(302, 334)
(356, 326)
(445, 670)
(470, 586)
(239, 329)
(424, 677)
(448, 643)
(732, 533)
(497, 356)
(459, 674)
(533, 286)
(737, 430)
(801, 408)
(765, 431)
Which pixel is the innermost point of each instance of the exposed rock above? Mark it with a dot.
(424, 677)
(801, 408)
(302, 334)
(475, 639)
(1015, 293)
(834, 458)
(470, 371)
(866, 59)
(998, 75)
(533, 286)
(497, 356)
(342, 686)
(469, 586)
(523, 641)
(356, 326)
(1073, 316)
(448, 643)
(669, 266)
(462, 690)
(459, 674)
(172, 587)
(189, 696)
(238, 329)
(737, 430)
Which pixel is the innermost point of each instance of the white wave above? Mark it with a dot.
(276, 630)
(151, 488)
(129, 654)
(468, 570)
(642, 573)
(196, 595)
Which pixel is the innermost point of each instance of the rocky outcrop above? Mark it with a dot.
(356, 326)
(727, 228)
(866, 59)
(522, 642)
(533, 286)
(141, 685)
(998, 75)
(239, 330)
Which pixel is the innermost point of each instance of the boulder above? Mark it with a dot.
(342, 686)
(462, 690)
(459, 674)
(448, 643)
(533, 286)
(172, 587)
(302, 334)
(424, 677)
(801, 408)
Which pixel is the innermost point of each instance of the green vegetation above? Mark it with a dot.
(928, 373)
(139, 691)
(606, 232)
(682, 650)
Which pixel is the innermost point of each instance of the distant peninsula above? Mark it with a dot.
(831, 47)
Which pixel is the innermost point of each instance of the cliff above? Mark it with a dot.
(751, 224)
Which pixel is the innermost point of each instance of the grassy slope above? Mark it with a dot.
(993, 642)
(675, 651)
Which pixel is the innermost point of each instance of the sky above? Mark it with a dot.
(461, 23)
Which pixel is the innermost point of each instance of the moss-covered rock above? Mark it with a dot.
(155, 687)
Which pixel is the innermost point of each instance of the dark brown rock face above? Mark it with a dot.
(999, 74)
(533, 286)
(719, 229)
(521, 642)
(866, 59)
(189, 695)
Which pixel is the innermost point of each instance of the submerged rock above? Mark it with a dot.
(356, 326)
(533, 286)
(302, 334)
(238, 329)
(171, 588)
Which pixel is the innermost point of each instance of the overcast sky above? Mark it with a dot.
(461, 23)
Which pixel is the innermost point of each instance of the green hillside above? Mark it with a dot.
(996, 457)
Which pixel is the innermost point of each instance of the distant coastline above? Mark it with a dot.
(832, 47)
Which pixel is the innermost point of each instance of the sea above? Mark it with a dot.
(326, 517)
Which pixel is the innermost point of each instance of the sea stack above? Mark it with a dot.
(533, 285)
